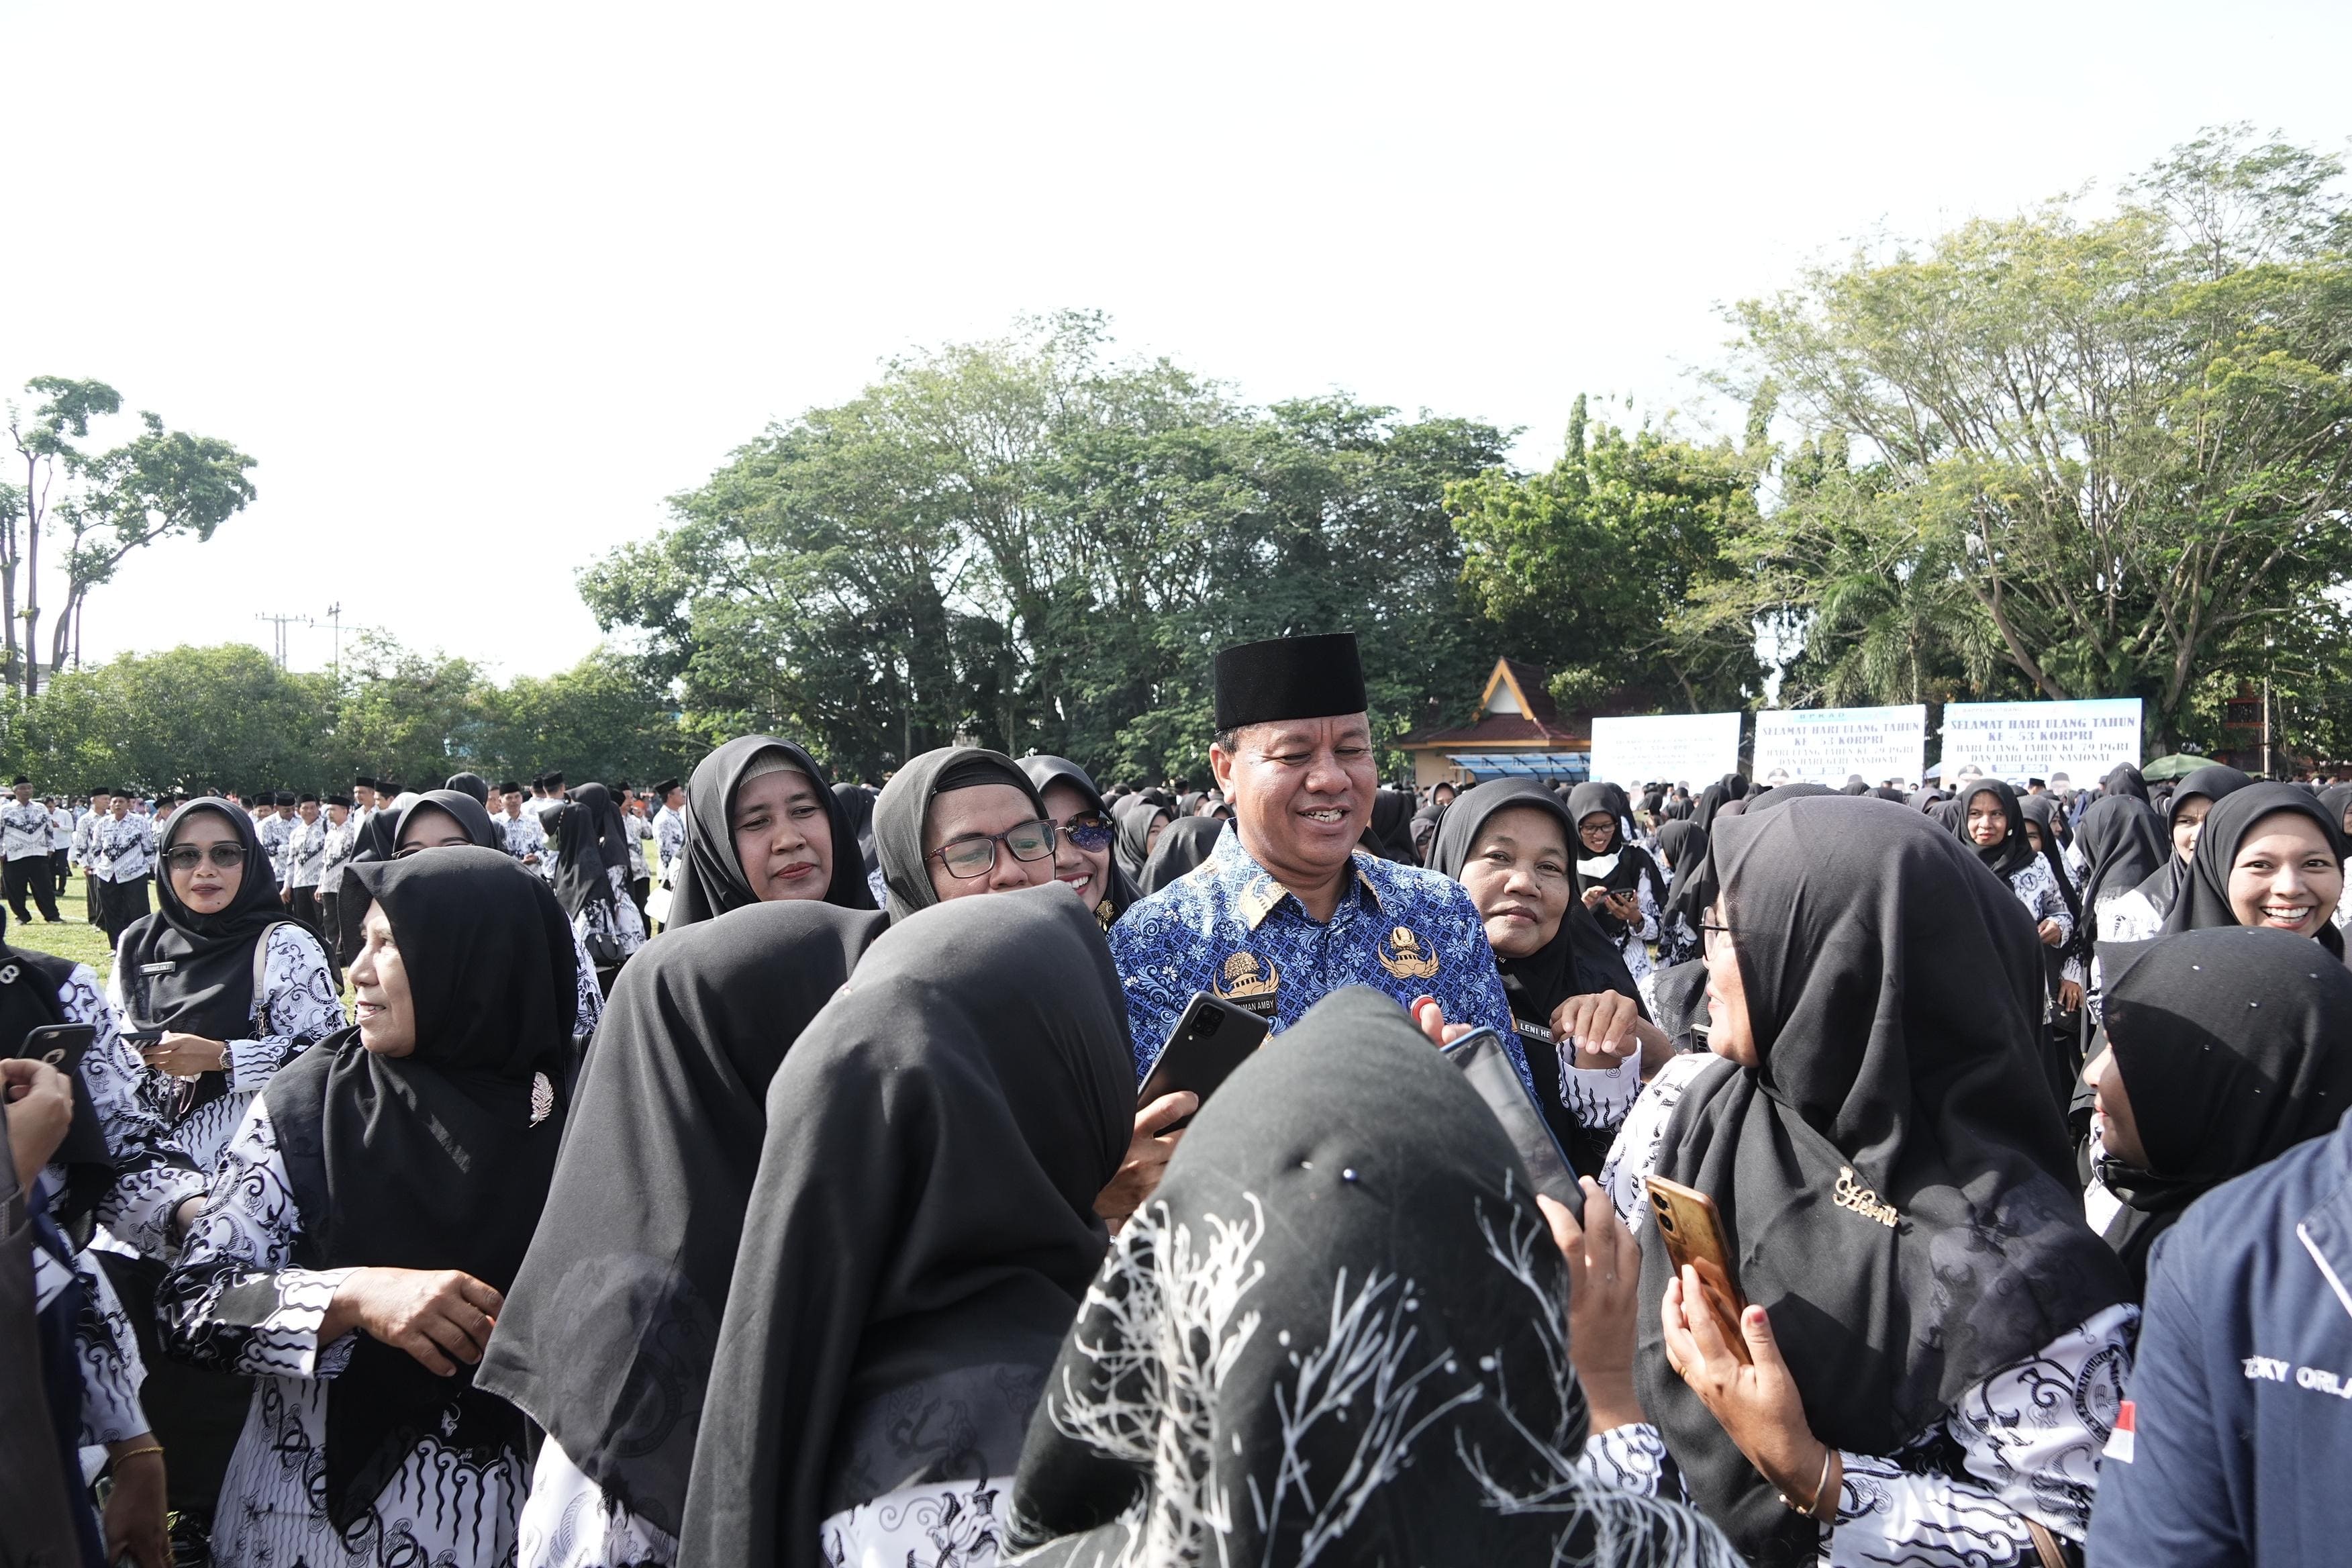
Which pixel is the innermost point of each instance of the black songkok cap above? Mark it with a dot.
(1290, 677)
(342, 800)
(286, 797)
(552, 781)
(363, 781)
(510, 787)
(19, 779)
(661, 789)
(307, 799)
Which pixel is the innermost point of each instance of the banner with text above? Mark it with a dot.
(2039, 739)
(1830, 745)
(1678, 748)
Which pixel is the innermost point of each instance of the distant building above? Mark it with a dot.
(1519, 730)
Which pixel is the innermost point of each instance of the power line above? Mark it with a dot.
(281, 622)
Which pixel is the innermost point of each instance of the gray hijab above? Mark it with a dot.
(906, 801)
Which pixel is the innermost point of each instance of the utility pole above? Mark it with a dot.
(281, 622)
(335, 619)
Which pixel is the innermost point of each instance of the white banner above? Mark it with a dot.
(1695, 749)
(2039, 739)
(1830, 745)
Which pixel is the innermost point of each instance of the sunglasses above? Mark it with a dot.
(188, 856)
(1088, 831)
(976, 855)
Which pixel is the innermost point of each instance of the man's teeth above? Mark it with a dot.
(1328, 815)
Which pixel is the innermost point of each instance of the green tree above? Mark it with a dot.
(2120, 442)
(1599, 567)
(161, 484)
(189, 719)
(607, 718)
(415, 718)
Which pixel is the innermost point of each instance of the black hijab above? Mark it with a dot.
(432, 1160)
(2123, 843)
(1183, 845)
(471, 817)
(590, 842)
(709, 880)
(857, 812)
(2204, 901)
(1391, 827)
(1135, 820)
(1696, 886)
(2043, 812)
(474, 786)
(2125, 779)
(1044, 771)
(2216, 783)
(1710, 801)
(2336, 800)
(207, 987)
(1896, 995)
(1423, 830)
(2234, 1046)
(1579, 960)
(608, 1333)
(906, 801)
(2013, 853)
(1633, 865)
(921, 1227)
(1332, 1324)
(1684, 845)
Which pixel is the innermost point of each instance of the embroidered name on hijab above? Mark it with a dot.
(1864, 1201)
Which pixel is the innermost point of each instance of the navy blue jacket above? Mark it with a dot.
(2241, 1400)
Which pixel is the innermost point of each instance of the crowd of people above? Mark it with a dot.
(823, 1227)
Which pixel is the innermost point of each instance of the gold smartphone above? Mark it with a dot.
(1692, 1229)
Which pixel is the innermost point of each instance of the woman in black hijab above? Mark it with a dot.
(2122, 844)
(1084, 835)
(1507, 842)
(1681, 846)
(857, 810)
(1140, 824)
(1339, 1336)
(1423, 830)
(2141, 914)
(1183, 847)
(235, 987)
(442, 817)
(608, 1333)
(372, 1209)
(759, 804)
(919, 1234)
(2268, 856)
(1992, 821)
(945, 810)
(2224, 1049)
(1615, 880)
(1902, 1217)
(1391, 817)
(2125, 779)
(593, 860)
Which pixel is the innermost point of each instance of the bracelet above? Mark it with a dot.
(155, 1448)
(1820, 1488)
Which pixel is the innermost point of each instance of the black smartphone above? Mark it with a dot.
(1483, 1061)
(1211, 1038)
(59, 1044)
(142, 1039)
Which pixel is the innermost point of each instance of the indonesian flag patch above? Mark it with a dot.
(2119, 1441)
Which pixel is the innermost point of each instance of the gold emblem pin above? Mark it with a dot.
(1406, 956)
(1245, 975)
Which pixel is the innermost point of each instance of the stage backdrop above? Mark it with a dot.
(1695, 749)
(1829, 745)
(2036, 739)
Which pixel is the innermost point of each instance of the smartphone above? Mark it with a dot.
(1211, 1038)
(142, 1039)
(59, 1044)
(1692, 1229)
(1483, 1060)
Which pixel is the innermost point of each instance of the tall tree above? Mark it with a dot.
(2123, 442)
(158, 485)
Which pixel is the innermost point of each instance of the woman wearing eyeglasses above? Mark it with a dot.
(959, 821)
(220, 989)
(1084, 834)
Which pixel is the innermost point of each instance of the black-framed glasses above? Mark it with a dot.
(1090, 830)
(974, 855)
(188, 856)
(1708, 931)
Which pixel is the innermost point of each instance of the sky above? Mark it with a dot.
(480, 286)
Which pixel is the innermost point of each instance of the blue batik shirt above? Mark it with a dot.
(1228, 928)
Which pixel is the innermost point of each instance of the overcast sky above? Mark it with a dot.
(480, 286)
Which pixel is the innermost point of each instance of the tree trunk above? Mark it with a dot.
(32, 605)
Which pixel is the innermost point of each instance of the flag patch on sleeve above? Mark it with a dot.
(2119, 1441)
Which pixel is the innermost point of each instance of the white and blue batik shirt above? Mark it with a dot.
(1228, 928)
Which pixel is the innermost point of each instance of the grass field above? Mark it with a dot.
(74, 938)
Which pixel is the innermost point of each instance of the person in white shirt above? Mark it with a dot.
(79, 855)
(342, 838)
(24, 841)
(61, 829)
(526, 839)
(122, 855)
(305, 861)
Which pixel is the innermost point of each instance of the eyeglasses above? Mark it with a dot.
(1088, 831)
(975, 855)
(188, 856)
(1707, 933)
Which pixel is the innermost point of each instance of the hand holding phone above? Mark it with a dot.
(1692, 1229)
(1210, 1040)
